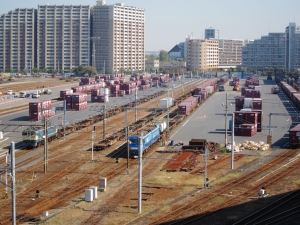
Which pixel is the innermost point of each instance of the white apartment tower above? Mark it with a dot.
(63, 36)
(118, 37)
(17, 40)
(201, 54)
(230, 53)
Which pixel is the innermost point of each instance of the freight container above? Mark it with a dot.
(64, 92)
(251, 117)
(79, 106)
(78, 98)
(95, 92)
(35, 116)
(243, 91)
(239, 117)
(294, 136)
(103, 99)
(259, 114)
(275, 90)
(256, 94)
(248, 130)
(166, 102)
(248, 103)
(203, 95)
(184, 108)
(248, 93)
(257, 88)
(237, 129)
(95, 98)
(35, 106)
(104, 91)
(198, 97)
(238, 108)
(239, 101)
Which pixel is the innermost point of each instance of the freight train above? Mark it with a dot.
(33, 136)
(294, 95)
(151, 134)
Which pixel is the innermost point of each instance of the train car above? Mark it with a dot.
(294, 135)
(34, 136)
(149, 137)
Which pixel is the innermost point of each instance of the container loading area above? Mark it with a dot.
(208, 121)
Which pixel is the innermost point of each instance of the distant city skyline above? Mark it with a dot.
(168, 22)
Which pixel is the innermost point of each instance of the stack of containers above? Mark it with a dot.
(65, 92)
(76, 101)
(114, 89)
(239, 119)
(166, 102)
(252, 80)
(94, 95)
(40, 109)
(239, 103)
(245, 123)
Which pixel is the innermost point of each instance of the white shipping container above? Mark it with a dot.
(166, 102)
(102, 183)
(248, 103)
(257, 88)
(104, 92)
(88, 195)
(209, 89)
(246, 110)
(94, 188)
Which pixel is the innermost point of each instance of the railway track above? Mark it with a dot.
(276, 212)
(179, 213)
(64, 161)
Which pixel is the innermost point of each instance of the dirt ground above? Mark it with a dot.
(31, 83)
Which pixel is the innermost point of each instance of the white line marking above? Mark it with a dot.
(4, 140)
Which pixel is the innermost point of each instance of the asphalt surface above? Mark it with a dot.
(208, 121)
(11, 123)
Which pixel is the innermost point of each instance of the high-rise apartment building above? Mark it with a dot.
(17, 40)
(63, 36)
(202, 55)
(276, 50)
(230, 53)
(118, 35)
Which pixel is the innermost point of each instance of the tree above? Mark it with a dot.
(82, 70)
(151, 57)
(163, 56)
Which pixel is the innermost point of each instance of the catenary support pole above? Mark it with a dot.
(270, 116)
(127, 136)
(135, 104)
(65, 104)
(205, 167)
(45, 145)
(140, 174)
(13, 182)
(232, 143)
(226, 112)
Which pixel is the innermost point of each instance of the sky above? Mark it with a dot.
(168, 22)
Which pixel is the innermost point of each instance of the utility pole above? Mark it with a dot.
(226, 111)
(13, 182)
(205, 166)
(45, 146)
(65, 119)
(232, 142)
(135, 104)
(140, 175)
(127, 136)
(104, 118)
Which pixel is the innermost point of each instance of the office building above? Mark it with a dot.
(118, 37)
(17, 40)
(211, 33)
(202, 54)
(63, 36)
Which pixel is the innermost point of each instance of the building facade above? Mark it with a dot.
(119, 37)
(230, 53)
(201, 54)
(211, 33)
(276, 50)
(17, 40)
(63, 36)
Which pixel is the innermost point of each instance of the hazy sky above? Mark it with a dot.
(169, 21)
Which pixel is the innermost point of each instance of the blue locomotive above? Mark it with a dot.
(149, 137)
(34, 136)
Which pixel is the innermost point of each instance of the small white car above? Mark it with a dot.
(9, 92)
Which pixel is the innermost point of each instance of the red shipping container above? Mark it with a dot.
(68, 105)
(239, 101)
(94, 98)
(248, 130)
(239, 117)
(35, 106)
(257, 103)
(250, 117)
(35, 116)
(46, 104)
(294, 136)
(95, 92)
(68, 98)
(64, 92)
(184, 108)
(248, 93)
(121, 93)
(198, 97)
(78, 98)
(256, 93)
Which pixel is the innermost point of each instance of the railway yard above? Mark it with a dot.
(171, 193)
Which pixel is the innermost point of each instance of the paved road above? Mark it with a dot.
(208, 121)
(13, 133)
